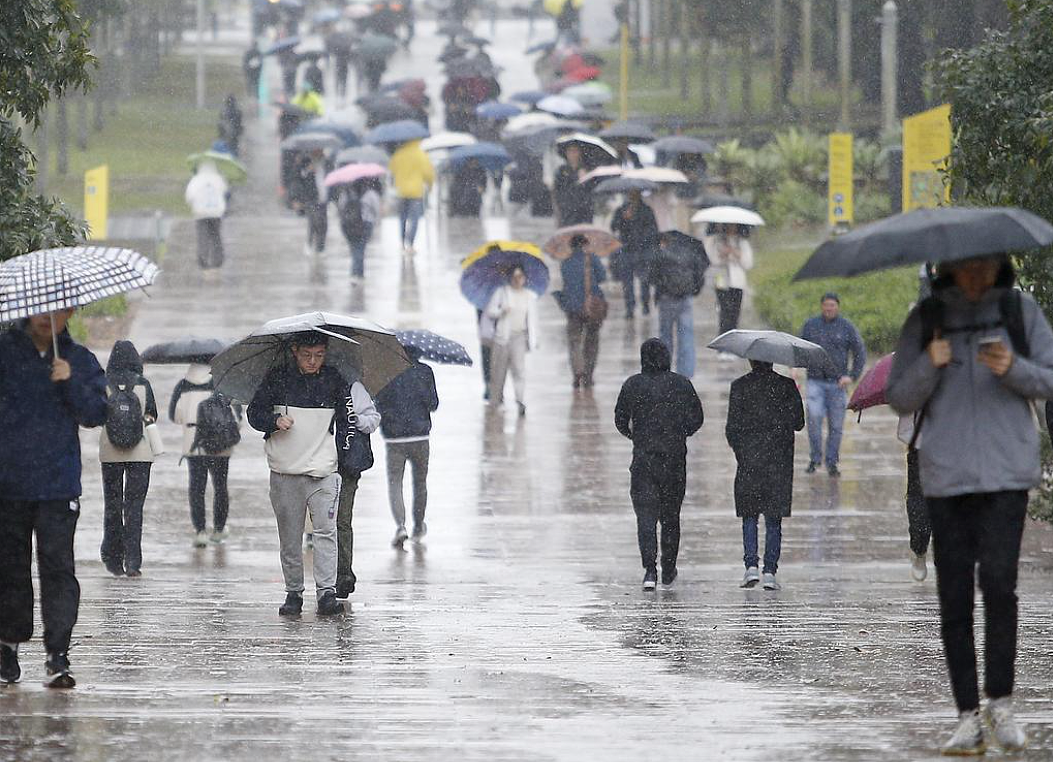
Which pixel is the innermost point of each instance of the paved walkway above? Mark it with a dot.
(519, 631)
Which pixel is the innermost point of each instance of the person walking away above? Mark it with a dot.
(573, 199)
(126, 458)
(658, 410)
(969, 360)
(294, 408)
(314, 76)
(827, 395)
(513, 308)
(919, 528)
(406, 405)
(585, 307)
(467, 189)
(44, 399)
(206, 195)
(764, 413)
(677, 276)
(730, 256)
(358, 206)
(309, 100)
(634, 225)
(230, 124)
(413, 174)
(252, 64)
(211, 429)
(311, 197)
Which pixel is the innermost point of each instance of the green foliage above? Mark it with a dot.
(793, 203)
(877, 303)
(114, 306)
(801, 157)
(872, 206)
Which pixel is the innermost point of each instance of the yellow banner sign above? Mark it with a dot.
(841, 173)
(926, 147)
(97, 201)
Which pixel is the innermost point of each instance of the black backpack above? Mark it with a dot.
(350, 207)
(124, 416)
(216, 429)
(353, 449)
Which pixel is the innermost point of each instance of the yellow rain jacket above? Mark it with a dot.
(412, 170)
(309, 101)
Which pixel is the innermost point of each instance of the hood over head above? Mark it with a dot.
(199, 374)
(654, 356)
(124, 357)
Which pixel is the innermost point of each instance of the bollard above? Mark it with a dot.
(889, 64)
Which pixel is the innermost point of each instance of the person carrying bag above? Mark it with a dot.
(583, 303)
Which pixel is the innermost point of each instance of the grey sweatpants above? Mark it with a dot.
(292, 496)
(417, 453)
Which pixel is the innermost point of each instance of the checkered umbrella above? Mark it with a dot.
(434, 347)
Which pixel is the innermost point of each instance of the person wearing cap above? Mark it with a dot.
(827, 388)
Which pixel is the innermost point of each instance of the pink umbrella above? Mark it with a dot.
(871, 389)
(352, 172)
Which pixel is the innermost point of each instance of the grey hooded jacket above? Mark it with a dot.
(979, 433)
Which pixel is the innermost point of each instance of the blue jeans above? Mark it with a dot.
(772, 542)
(825, 400)
(358, 245)
(410, 211)
(676, 312)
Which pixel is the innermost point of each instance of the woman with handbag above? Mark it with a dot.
(583, 303)
(126, 455)
(513, 308)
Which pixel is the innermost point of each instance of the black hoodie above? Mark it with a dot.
(658, 409)
(125, 367)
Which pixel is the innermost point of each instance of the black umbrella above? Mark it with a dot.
(946, 234)
(184, 351)
(383, 110)
(594, 151)
(678, 144)
(774, 347)
(675, 241)
(634, 132)
(452, 53)
(432, 346)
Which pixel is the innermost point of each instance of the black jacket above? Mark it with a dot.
(573, 199)
(406, 404)
(658, 409)
(286, 386)
(639, 233)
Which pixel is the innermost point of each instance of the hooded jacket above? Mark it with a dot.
(657, 409)
(406, 404)
(125, 368)
(411, 170)
(206, 193)
(39, 419)
(191, 391)
(979, 433)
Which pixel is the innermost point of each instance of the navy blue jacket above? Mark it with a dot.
(406, 404)
(572, 270)
(39, 419)
(840, 339)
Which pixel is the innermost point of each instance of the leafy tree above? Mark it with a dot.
(43, 54)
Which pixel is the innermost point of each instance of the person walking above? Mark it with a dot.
(919, 529)
(211, 428)
(230, 126)
(413, 174)
(311, 198)
(126, 458)
(406, 405)
(634, 225)
(827, 396)
(513, 308)
(969, 360)
(658, 410)
(44, 398)
(730, 256)
(764, 413)
(467, 187)
(585, 307)
(294, 408)
(573, 198)
(206, 195)
(359, 206)
(677, 276)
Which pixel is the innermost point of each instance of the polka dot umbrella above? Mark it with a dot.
(432, 346)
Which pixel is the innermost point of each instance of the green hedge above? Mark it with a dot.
(114, 306)
(876, 303)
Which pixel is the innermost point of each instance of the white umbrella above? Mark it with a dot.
(604, 170)
(589, 94)
(774, 347)
(447, 140)
(727, 215)
(528, 122)
(656, 175)
(560, 105)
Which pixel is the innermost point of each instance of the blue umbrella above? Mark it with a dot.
(488, 268)
(402, 131)
(284, 44)
(432, 346)
(529, 97)
(346, 134)
(495, 110)
(491, 156)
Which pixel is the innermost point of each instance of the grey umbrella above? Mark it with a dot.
(946, 234)
(774, 347)
(634, 132)
(184, 351)
(677, 144)
(311, 141)
(363, 155)
(624, 185)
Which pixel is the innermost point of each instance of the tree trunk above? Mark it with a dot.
(43, 152)
(652, 34)
(747, 76)
(634, 38)
(778, 29)
(911, 58)
(685, 49)
(719, 53)
(62, 138)
(807, 69)
(667, 53)
(706, 78)
(82, 122)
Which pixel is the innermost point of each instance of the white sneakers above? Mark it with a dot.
(918, 570)
(968, 739)
(201, 539)
(219, 536)
(751, 577)
(768, 582)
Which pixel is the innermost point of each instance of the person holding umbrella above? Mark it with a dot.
(206, 195)
(732, 257)
(467, 189)
(585, 306)
(513, 310)
(677, 273)
(635, 225)
(573, 199)
(358, 205)
(413, 174)
(311, 198)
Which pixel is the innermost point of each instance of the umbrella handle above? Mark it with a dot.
(54, 338)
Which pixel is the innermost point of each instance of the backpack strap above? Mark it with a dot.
(931, 311)
(1011, 305)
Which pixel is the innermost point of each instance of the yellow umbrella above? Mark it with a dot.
(487, 268)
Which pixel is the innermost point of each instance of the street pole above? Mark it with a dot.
(623, 81)
(844, 58)
(43, 153)
(201, 54)
(806, 57)
(778, 45)
(889, 64)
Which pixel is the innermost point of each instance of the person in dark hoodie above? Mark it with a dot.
(125, 470)
(658, 410)
(44, 398)
(406, 405)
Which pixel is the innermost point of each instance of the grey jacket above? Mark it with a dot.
(979, 433)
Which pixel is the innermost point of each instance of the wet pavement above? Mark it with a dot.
(518, 631)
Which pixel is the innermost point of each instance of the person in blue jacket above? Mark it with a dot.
(44, 399)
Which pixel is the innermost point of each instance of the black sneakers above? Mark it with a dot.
(10, 672)
(328, 605)
(668, 576)
(812, 468)
(833, 470)
(57, 671)
(293, 605)
(345, 586)
(650, 580)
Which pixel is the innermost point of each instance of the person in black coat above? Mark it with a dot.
(658, 410)
(764, 412)
(573, 198)
(634, 224)
(467, 188)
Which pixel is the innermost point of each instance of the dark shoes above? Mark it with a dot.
(114, 568)
(328, 605)
(812, 468)
(522, 410)
(668, 576)
(57, 672)
(293, 605)
(10, 671)
(345, 586)
(833, 470)
(650, 579)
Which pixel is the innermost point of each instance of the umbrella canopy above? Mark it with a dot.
(325, 16)
(491, 156)
(529, 97)
(402, 131)
(348, 137)
(527, 122)
(656, 175)
(373, 46)
(286, 43)
(634, 132)
(590, 94)
(495, 110)
(447, 140)
(870, 392)
(349, 173)
(468, 68)
(454, 29)
(774, 347)
(728, 215)
(559, 105)
(362, 155)
(232, 169)
(680, 144)
(388, 109)
(488, 267)
(312, 141)
(476, 40)
(358, 348)
(603, 171)
(593, 150)
(674, 241)
(184, 351)
(946, 234)
(624, 185)
(598, 241)
(582, 74)
(434, 347)
(55, 279)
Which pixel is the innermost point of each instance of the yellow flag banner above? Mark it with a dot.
(841, 180)
(97, 201)
(926, 147)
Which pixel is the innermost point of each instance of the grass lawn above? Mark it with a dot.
(147, 141)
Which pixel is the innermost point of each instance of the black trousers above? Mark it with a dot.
(209, 243)
(729, 304)
(200, 468)
(317, 225)
(124, 488)
(55, 523)
(918, 526)
(657, 490)
(968, 531)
